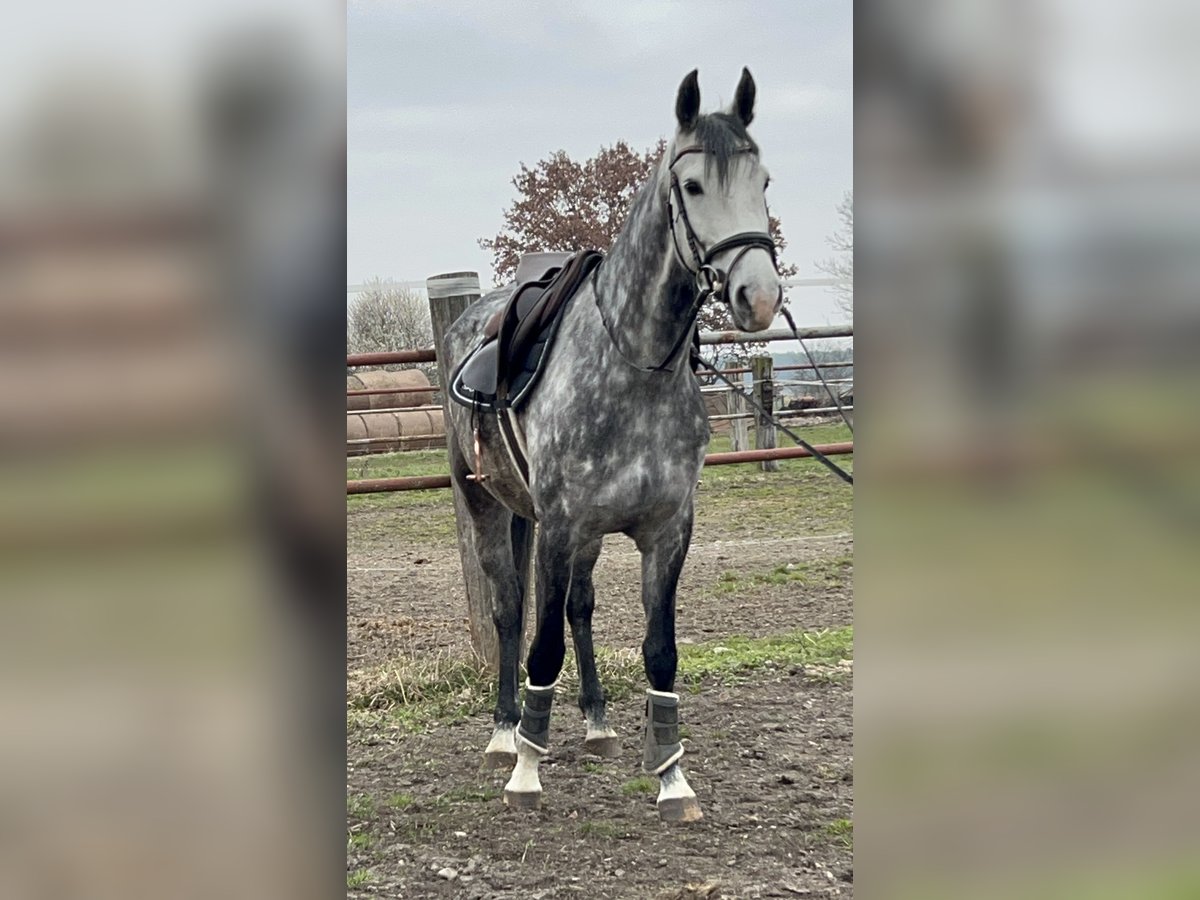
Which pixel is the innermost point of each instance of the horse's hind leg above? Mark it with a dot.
(501, 546)
(581, 601)
(663, 554)
(524, 789)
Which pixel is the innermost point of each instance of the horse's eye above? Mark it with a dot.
(693, 188)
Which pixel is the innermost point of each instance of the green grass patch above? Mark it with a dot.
(358, 877)
(360, 806)
(736, 656)
(816, 573)
(416, 694)
(400, 801)
(602, 829)
(841, 830)
(590, 765)
(360, 841)
(643, 784)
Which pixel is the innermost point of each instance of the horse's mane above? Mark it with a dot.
(722, 136)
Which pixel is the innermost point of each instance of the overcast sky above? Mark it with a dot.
(446, 100)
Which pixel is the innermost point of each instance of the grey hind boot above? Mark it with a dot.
(676, 800)
(535, 716)
(524, 788)
(662, 732)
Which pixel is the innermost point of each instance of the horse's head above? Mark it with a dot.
(716, 185)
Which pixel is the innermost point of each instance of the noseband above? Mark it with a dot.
(711, 281)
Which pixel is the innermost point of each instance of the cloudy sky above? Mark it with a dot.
(446, 100)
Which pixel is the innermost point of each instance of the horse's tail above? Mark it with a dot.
(522, 547)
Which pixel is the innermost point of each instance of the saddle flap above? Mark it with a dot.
(528, 300)
(481, 370)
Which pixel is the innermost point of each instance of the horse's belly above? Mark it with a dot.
(633, 495)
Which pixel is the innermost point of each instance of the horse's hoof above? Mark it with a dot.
(499, 759)
(608, 745)
(522, 799)
(680, 809)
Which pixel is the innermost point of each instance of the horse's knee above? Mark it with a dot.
(506, 615)
(579, 612)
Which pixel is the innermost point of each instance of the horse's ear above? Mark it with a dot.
(743, 98)
(687, 104)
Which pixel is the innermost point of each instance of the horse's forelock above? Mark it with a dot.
(722, 136)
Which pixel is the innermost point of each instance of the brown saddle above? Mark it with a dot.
(516, 339)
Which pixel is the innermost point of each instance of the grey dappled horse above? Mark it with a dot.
(615, 435)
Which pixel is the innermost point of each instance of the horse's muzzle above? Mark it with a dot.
(757, 307)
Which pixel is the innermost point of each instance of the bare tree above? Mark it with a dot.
(841, 265)
(384, 316)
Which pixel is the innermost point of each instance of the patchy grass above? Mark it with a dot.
(360, 806)
(590, 765)
(360, 841)
(642, 784)
(358, 877)
(603, 829)
(834, 572)
(400, 801)
(418, 693)
(841, 830)
(736, 656)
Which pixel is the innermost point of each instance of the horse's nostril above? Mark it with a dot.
(779, 299)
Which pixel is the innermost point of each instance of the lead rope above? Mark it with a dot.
(800, 442)
(836, 400)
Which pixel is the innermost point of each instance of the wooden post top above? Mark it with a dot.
(453, 284)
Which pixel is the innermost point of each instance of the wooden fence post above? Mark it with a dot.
(449, 296)
(739, 429)
(761, 368)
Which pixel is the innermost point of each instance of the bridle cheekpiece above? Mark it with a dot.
(711, 281)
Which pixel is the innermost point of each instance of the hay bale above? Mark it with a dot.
(376, 379)
(392, 431)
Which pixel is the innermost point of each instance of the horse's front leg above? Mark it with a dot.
(663, 554)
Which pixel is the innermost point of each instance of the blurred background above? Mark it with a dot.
(172, 226)
(1028, 508)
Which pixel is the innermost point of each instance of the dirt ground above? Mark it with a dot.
(769, 755)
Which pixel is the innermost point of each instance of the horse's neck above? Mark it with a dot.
(644, 294)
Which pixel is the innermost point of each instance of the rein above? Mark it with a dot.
(817, 454)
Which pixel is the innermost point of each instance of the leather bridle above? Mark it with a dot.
(711, 281)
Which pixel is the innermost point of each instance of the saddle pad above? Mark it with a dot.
(503, 369)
